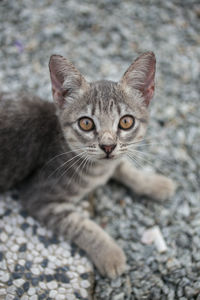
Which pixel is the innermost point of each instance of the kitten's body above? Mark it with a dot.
(54, 164)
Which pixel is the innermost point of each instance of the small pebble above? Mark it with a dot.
(24, 226)
(70, 274)
(83, 293)
(22, 262)
(80, 269)
(52, 285)
(3, 265)
(42, 285)
(60, 297)
(5, 277)
(25, 297)
(31, 291)
(35, 281)
(22, 248)
(18, 282)
(84, 275)
(34, 297)
(21, 240)
(11, 290)
(35, 271)
(10, 297)
(61, 290)
(2, 292)
(119, 296)
(53, 293)
(20, 291)
(85, 283)
(8, 228)
(30, 221)
(26, 286)
(70, 297)
(28, 265)
(3, 237)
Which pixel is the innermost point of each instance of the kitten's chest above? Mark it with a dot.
(101, 175)
(97, 176)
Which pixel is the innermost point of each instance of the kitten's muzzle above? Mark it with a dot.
(108, 148)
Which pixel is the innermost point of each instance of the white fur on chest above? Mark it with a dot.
(101, 175)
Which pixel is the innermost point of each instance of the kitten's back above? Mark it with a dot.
(28, 126)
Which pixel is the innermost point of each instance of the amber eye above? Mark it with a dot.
(86, 124)
(126, 122)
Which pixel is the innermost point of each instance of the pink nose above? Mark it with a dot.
(107, 148)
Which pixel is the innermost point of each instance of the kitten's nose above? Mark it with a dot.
(107, 148)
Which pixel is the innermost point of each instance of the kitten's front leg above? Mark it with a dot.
(153, 185)
(107, 256)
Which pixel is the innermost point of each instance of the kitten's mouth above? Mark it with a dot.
(108, 157)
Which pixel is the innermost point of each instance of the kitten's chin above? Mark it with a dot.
(109, 158)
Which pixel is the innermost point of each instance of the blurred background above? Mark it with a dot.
(102, 38)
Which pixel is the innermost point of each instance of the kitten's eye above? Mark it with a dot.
(86, 124)
(126, 122)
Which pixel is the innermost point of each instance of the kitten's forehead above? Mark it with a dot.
(105, 98)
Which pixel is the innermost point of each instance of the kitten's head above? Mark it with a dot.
(103, 119)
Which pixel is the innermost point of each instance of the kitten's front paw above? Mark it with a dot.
(162, 187)
(111, 260)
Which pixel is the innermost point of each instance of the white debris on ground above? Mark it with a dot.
(154, 235)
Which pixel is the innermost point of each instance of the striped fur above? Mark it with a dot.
(54, 164)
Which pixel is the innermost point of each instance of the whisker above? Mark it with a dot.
(75, 171)
(138, 141)
(143, 140)
(85, 164)
(64, 153)
(152, 155)
(79, 158)
(66, 162)
(134, 160)
(147, 161)
(146, 144)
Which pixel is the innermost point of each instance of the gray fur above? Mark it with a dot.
(54, 164)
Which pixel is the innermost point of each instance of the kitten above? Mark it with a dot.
(57, 153)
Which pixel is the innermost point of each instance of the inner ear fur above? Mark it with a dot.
(66, 80)
(141, 76)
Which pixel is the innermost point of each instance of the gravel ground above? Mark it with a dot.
(34, 264)
(102, 39)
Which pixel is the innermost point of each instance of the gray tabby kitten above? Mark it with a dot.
(57, 153)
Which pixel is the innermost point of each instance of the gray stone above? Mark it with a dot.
(120, 296)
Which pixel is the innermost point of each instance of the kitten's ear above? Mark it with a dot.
(140, 76)
(67, 82)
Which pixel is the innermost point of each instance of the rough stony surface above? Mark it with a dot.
(102, 38)
(34, 263)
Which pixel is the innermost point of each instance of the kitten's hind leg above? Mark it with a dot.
(99, 246)
(56, 211)
(153, 185)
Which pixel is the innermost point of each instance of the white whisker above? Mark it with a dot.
(138, 156)
(75, 171)
(79, 158)
(64, 164)
(134, 160)
(151, 155)
(64, 153)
